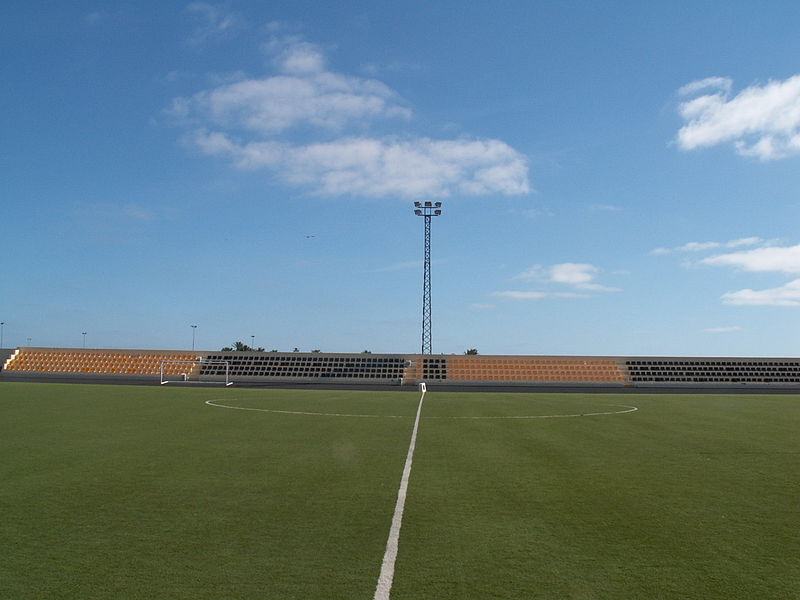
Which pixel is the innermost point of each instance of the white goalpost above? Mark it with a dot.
(193, 371)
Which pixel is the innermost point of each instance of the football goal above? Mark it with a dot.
(196, 371)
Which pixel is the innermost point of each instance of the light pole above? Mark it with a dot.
(427, 210)
(194, 329)
(84, 339)
(253, 342)
(2, 324)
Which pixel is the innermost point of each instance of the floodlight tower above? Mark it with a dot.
(427, 210)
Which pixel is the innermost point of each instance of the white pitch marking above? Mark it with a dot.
(384, 586)
(297, 412)
(390, 556)
(628, 409)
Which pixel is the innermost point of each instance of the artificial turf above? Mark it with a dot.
(115, 491)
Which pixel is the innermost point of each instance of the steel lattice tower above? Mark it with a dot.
(427, 210)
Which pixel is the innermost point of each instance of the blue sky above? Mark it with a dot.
(617, 178)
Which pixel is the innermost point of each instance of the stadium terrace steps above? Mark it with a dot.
(302, 366)
(663, 370)
(5, 356)
(410, 368)
(535, 369)
(68, 360)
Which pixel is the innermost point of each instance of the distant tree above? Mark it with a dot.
(317, 350)
(366, 352)
(241, 347)
(296, 350)
(471, 351)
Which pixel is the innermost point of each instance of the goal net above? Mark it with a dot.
(196, 371)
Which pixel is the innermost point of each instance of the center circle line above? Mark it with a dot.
(626, 409)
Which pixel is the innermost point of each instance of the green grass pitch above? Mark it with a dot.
(148, 492)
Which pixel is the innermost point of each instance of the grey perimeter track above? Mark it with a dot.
(432, 386)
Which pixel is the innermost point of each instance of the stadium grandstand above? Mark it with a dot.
(319, 367)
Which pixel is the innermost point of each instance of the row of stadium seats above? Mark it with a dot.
(137, 362)
(408, 367)
(677, 370)
(535, 370)
(304, 365)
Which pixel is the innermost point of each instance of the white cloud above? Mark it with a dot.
(578, 275)
(218, 22)
(519, 295)
(698, 246)
(702, 246)
(720, 84)
(760, 121)
(382, 167)
(533, 213)
(374, 68)
(256, 123)
(716, 330)
(777, 259)
(138, 212)
(604, 208)
(536, 272)
(296, 56)
(748, 241)
(786, 295)
(110, 212)
(303, 96)
(522, 295)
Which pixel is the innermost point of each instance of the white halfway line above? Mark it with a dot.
(390, 556)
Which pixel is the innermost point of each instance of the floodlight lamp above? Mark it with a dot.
(417, 204)
(418, 212)
(436, 213)
(427, 204)
(438, 204)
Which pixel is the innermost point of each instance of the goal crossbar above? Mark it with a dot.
(190, 371)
